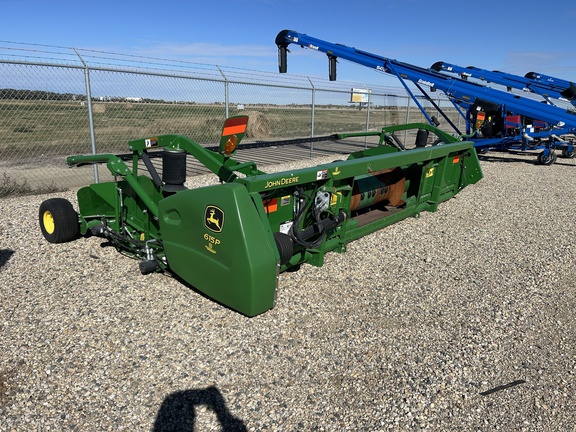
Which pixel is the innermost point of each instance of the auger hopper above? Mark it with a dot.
(232, 240)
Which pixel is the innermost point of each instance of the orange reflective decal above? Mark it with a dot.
(232, 130)
(235, 125)
(271, 205)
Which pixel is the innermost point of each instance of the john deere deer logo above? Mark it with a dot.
(214, 218)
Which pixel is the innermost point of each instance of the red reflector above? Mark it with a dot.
(235, 125)
(456, 159)
(271, 205)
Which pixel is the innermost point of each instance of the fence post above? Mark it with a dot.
(367, 119)
(226, 95)
(407, 118)
(90, 113)
(313, 112)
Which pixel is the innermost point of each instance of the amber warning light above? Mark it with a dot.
(232, 133)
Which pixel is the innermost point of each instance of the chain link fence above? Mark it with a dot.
(56, 102)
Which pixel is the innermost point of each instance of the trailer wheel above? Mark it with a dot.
(568, 153)
(58, 220)
(548, 159)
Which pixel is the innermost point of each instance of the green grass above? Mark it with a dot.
(32, 130)
(11, 187)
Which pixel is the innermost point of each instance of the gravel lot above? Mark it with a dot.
(457, 320)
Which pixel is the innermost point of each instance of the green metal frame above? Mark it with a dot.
(223, 239)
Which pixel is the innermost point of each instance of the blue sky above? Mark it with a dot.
(515, 36)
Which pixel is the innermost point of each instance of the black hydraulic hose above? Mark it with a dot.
(318, 229)
(297, 235)
(323, 225)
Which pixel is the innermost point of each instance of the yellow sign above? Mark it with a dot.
(334, 198)
(429, 172)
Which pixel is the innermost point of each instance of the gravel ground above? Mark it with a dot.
(457, 320)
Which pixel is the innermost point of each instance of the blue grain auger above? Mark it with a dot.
(552, 90)
(494, 119)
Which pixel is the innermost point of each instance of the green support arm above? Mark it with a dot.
(223, 167)
(117, 167)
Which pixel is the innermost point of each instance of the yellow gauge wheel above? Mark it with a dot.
(58, 220)
(48, 221)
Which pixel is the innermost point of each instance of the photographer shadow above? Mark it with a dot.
(5, 255)
(178, 414)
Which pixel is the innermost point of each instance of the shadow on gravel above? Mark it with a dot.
(177, 413)
(5, 255)
(491, 157)
(494, 158)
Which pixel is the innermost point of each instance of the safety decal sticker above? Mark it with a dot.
(151, 142)
(271, 205)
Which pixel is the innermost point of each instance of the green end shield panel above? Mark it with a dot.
(216, 241)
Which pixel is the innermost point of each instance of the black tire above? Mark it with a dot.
(568, 153)
(548, 159)
(285, 246)
(58, 220)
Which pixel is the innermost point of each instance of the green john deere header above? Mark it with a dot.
(232, 240)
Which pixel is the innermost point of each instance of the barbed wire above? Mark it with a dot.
(11, 51)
